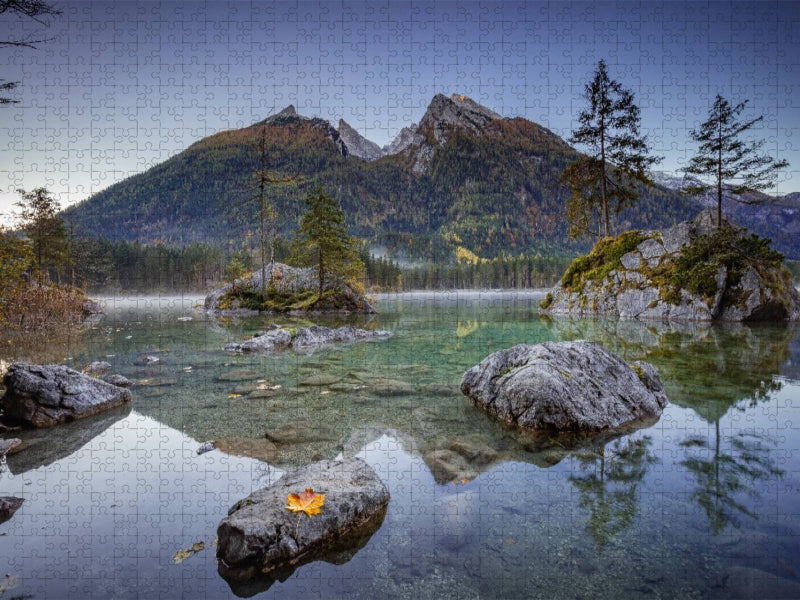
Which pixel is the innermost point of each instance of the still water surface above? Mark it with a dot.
(704, 498)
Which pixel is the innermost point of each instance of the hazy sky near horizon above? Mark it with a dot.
(123, 86)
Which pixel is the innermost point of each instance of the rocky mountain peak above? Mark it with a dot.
(287, 113)
(357, 144)
(456, 111)
(443, 114)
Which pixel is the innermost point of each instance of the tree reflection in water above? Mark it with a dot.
(724, 477)
(609, 491)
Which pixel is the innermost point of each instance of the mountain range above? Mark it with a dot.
(464, 180)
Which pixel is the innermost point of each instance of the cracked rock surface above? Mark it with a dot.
(564, 386)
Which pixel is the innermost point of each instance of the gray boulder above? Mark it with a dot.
(260, 536)
(564, 386)
(97, 368)
(46, 395)
(8, 506)
(9, 446)
(118, 380)
(275, 338)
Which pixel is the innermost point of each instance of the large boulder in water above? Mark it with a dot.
(694, 271)
(46, 395)
(564, 386)
(260, 535)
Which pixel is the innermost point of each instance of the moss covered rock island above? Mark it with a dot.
(289, 290)
(693, 271)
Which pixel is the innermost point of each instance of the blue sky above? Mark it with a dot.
(124, 86)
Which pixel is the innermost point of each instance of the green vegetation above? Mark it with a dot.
(26, 304)
(604, 258)
(695, 268)
(274, 301)
(325, 243)
(617, 155)
(547, 301)
(639, 373)
(499, 192)
(724, 156)
(39, 221)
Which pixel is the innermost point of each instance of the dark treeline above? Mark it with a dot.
(101, 265)
(502, 272)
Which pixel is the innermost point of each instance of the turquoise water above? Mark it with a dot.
(675, 510)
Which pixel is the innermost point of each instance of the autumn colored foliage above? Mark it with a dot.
(307, 502)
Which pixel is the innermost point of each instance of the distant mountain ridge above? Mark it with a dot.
(463, 180)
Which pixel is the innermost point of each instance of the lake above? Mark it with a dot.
(690, 507)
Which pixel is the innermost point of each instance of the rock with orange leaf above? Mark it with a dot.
(319, 512)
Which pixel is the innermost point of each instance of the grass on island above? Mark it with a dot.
(282, 300)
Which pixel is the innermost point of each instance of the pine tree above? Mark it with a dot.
(724, 157)
(39, 220)
(267, 215)
(324, 240)
(618, 154)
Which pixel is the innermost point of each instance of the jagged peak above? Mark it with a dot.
(357, 144)
(287, 113)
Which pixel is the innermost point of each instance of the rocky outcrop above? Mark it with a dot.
(294, 291)
(46, 395)
(279, 338)
(118, 380)
(317, 335)
(260, 535)
(442, 116)
(97, 368)
(9, 446)
(8, 506)
(358, 145)
(564, 386)
(693, 271)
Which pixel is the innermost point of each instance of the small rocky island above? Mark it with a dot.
(565, 387)
(694, 271)
(292, 290)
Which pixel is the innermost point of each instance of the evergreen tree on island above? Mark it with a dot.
(724, 157)
(324, 241)
(618, 154)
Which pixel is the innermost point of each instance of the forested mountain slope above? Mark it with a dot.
(463, 179)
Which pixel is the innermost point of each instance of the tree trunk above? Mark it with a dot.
(321, 273)
(719, 178)
(603, 177)
(263, 241)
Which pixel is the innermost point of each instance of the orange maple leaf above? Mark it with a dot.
(307, 502)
